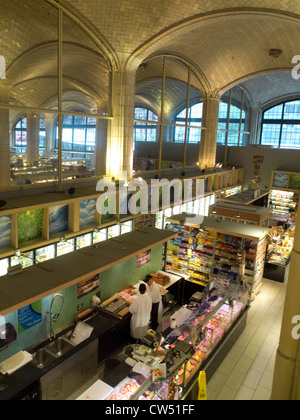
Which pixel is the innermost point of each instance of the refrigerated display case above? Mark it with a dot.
(4, 264)
(26, 259)
(204, 334)
(84, 241)
(113, 231)
(65, 247)
(99, 236)
(126, 227)
(45, 254)
(283, 204)
(280, 246)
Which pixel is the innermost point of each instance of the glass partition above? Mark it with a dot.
(57, 68)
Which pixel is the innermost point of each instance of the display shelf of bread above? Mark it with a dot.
(280, 245)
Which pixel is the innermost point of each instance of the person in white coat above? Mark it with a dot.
(141, 313)
(157, 307)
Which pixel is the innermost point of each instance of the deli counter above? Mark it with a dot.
(195, 336)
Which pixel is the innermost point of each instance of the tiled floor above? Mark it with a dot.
(247, 371)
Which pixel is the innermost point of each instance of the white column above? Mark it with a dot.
(286, 380)
(49, 136)
(120, 136)
(100, 147)
(5, 173)
(255, 122)
(33, 138)
(208, 144)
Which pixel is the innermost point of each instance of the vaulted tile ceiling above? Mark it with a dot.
(227, 42)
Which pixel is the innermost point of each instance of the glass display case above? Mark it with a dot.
(4, 264)
(170, 371)
(45, 254)
(126, 227)
(280, 246)
(100, 236)
(159, 220)
(113, 231)
(65, 247)
(26, 260)
(84, 241)
(282, 202)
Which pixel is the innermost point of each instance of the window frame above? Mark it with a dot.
(147, 126)
(280, 121)
(76, 126)
(22, 148)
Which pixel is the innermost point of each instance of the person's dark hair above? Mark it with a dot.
(147, 278)
(142, 289)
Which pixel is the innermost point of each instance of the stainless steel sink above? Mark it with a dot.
(46, 355)
(60, 346)
(42, 358)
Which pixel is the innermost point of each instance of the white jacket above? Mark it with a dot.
(141, 313)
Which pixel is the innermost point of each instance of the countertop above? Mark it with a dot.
(29, 374)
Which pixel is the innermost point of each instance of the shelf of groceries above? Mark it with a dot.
(218, 253)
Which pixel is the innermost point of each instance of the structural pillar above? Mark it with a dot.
(255, 123)
(120, 136)
(286, 380)
(49, 136)
(5, 173)
(208, 143)
(33, 138)
(100, 147)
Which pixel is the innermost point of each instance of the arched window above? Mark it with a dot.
(194, 123)
(144, 131)
(20, 136)
(78, 136)
(231, 124)
(281, 126)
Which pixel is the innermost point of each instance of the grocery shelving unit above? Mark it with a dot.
(218, 253)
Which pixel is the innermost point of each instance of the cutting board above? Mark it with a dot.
(81, 333)
(15, 362)
(99, 391)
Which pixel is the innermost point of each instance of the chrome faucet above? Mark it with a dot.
(54, 317)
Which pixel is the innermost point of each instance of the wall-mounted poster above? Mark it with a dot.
(143, 259)
(30, 225)
(29, 316)
(5, 231)
(58, 219)
(294, 183)
(87, 286)
(87, 213)
(280, 180)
